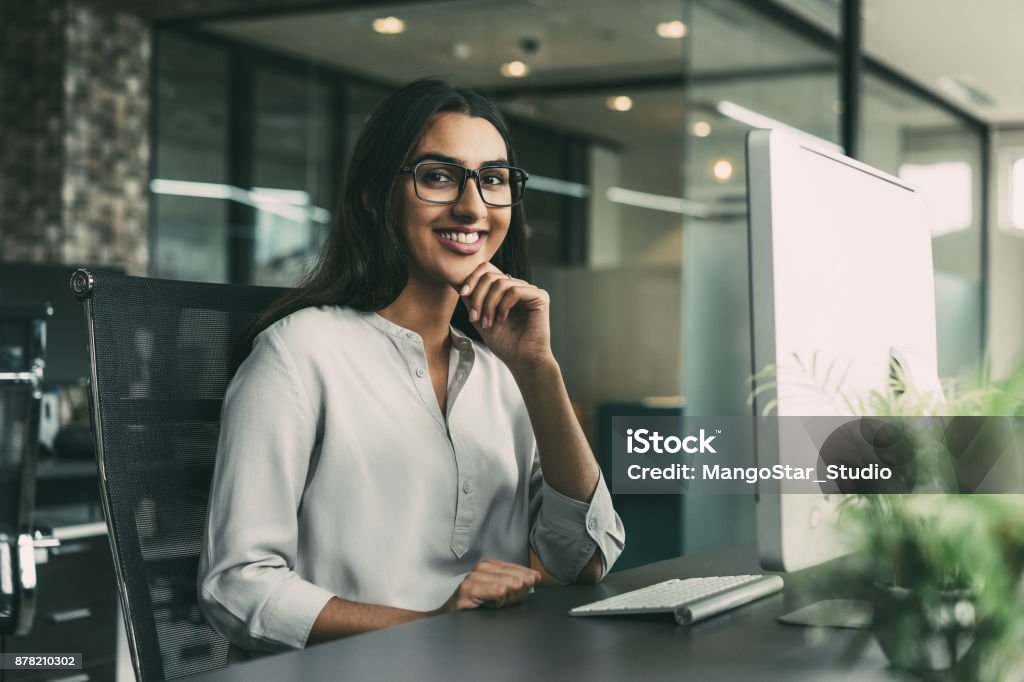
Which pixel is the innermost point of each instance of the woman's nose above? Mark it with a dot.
(470, 207)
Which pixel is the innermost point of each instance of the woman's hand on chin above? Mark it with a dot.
(512, 316)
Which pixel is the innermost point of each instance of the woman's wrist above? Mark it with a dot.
(533, 369)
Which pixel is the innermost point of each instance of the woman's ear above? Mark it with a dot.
(368, 205)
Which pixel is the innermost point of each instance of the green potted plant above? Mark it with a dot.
(941, 565)
(942, 573)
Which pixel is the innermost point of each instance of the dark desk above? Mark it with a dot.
(537, 641)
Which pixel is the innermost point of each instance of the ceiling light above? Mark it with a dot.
(516, 69)
(671, 29)
(701, 128)
(722, 170)
(461, 50)
(620, 103)
(388, 25)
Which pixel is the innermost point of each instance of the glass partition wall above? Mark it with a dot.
(190, 228)
(631, 119)
(943, 154)
(747, 70)
(755, 65)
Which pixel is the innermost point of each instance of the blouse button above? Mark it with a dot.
(420, 372)
(466, 487)
(592, 524)
(411, 335)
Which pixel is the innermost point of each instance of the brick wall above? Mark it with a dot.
(106, 138)
(31, 129)
(74, 134)
(74, 124)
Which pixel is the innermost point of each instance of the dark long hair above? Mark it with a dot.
(362, 264)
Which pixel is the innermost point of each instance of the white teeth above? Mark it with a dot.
(461, 237)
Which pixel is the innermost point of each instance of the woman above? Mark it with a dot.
(377, 465)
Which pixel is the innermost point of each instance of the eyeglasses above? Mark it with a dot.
(437, 182)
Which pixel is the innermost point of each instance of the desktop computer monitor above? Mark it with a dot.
(841, 282)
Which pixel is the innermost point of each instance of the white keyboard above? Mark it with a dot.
(691, 600)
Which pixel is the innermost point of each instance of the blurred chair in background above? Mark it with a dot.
(22, 363)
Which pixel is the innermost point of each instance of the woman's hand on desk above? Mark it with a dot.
(492, 583)
(511, 315)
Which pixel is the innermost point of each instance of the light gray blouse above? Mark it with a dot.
(337, 474)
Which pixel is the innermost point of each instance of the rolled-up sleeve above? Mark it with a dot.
(565, 532)
(249, 589)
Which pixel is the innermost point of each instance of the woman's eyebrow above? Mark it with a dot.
(444, 158)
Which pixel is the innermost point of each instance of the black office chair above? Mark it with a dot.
(161, 355)
(22, 363)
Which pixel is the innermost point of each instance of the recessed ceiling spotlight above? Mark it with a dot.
(671, 29)
(722, 170)
(701, 128)
(388, 25)
(461, 50)
(620, 103)
(516, 69)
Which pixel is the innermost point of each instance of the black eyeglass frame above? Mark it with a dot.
(466, 175)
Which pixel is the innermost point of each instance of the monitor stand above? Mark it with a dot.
(918, 373)
(832, 613)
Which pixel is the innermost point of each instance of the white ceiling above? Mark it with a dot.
(931, 41)
(977, 43)
(573, 41)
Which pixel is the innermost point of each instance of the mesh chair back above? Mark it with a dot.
(161, 355)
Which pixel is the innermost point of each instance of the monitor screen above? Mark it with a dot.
(841, 281)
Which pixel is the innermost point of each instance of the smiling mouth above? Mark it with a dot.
(464, 243)
(461, 237)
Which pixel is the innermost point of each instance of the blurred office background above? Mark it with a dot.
(206, 140)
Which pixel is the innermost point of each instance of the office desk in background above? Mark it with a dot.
(76, 603)
(537, 641)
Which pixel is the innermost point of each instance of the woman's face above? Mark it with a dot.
(445, 242)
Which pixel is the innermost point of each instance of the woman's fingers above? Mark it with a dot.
(498, 567)
(476, 289)
(495, 582)
(486, 294)
(474, 276)
(514, 295)
(495, 590)
(498, 291)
